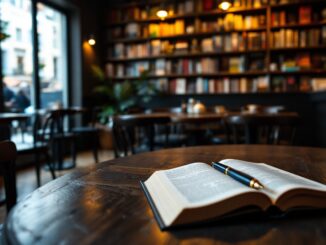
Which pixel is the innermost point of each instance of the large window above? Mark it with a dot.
(51, 25)
(17, 55)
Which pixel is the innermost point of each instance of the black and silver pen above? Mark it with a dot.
(238, 175)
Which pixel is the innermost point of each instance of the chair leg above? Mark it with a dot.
(38, 169)
(10, 186)
(73, 152)
(95, 147)
(50, 165)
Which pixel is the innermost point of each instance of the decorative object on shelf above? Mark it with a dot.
(199, 108)
(91, 40)
(219, 109)
(190, 105)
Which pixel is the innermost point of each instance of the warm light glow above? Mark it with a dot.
(91, 41)
(225, 5)
(162, 14)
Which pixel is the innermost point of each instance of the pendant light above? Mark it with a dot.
(224, 4)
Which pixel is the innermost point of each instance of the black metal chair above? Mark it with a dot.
(38, 147)
(8, 155)
(171, 134)
(135, 133)
(90, 132)
(57, 133)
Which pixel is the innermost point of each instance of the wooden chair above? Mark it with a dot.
(8, 155)
(262, 128)
(135, 133)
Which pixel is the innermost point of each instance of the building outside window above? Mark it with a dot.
(19, 35)
(17, 53)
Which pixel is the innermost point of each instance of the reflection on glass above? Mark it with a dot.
(51, 26)
(17, 53)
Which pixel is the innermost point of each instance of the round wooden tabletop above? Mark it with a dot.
(104, 204)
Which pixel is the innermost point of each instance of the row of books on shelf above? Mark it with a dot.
(207, 65)
(240, 85)
(177, 8)
(219, 43)
(230, 22)
(300, 62)
(214, 86)
(288, 38)
(300, 15)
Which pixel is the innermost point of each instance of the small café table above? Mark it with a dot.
(104, 204)
(5, 122)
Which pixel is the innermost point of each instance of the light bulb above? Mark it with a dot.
(224, 5)
(162, 14)
(91, 41)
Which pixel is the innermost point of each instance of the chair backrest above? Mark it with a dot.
(129, 129)
(8, 155)
(55, 121)
(262, 128)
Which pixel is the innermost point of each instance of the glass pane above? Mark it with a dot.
(51, 27)
(17, 53)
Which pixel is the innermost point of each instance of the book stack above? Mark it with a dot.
(256, 41)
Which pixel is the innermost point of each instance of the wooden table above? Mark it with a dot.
(104, 204)
(5, 122)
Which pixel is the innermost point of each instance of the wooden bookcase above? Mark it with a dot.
(256, 46)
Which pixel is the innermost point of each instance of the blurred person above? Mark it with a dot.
(21, 101)
(9, 97)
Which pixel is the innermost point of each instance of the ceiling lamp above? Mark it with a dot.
(224, 5)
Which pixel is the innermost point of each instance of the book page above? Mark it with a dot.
(199, 184)
(275, 181)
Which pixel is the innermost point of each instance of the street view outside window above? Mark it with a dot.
(17, 51)
(51, 25)
(17, 55)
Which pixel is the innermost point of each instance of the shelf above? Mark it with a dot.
(192, 15)
(299, 26)
(208, 75)
(243, 94)
(229, 74)
(287, 5)
(303, 72)
(182, 36)
(296, 49)
(189, 55)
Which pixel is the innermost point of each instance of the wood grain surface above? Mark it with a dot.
(105, 205)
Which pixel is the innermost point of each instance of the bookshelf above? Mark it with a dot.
(275, 46)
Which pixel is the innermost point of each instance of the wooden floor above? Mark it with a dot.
(26, 178)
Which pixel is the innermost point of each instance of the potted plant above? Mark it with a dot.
(118, 97)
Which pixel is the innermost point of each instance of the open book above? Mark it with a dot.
(197, 192)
